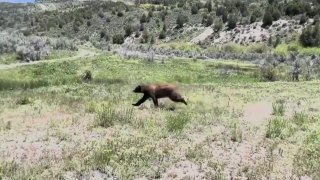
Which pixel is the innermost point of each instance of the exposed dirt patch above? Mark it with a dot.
(47, 134)
(205, 34)
(258, 112)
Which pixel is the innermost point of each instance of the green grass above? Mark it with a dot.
(118, 72)
(181, 46)
(278, 107)
(306, 161)
(8, 58)
(58, 54)
(176, 123)
(285, 49)
(92, 125)
(107, 116)
(11, 58)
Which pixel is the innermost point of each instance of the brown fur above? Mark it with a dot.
(157, 91)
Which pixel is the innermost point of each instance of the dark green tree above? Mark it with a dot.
(253, 18)
(181, 20)
(232, 21)
(209, 5)
(267, 19)
(194, 9)
(276, 14)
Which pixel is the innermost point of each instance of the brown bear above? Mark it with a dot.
(157, 91)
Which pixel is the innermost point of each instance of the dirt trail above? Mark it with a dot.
(207, 32)
(81, 53)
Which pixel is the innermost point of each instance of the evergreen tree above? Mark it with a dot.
(267, 19)
(209, 21)
(276, 14)
(218, 24)
(253, 18)
(232, 21)
(153, 40)
(194, 9)
(181, 20)
(209, 5)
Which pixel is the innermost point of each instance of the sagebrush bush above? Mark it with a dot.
(32, 48)
(118, 39)
(87, 76)
(268, 73)
(310, 36)
(23, 101)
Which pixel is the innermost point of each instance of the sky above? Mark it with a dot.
(17, 1)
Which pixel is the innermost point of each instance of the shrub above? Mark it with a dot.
(303, 19)
(278, 41)
(253, 18)
(89, 23)
(128, 30)
(233, 48)
(181, 20)
(153, 40)
(258, 48)
(209, 21)
(118, 39)
(268, 73)
(102, 34)
(218, 25)
(100, 14)
(150, 14)
(23, 101)
(87, 76)
(194, 9)
(232, 21)
(208, 5)
(162, 35)
(276, 128)
(145, 37)
(143, 18)
(278, 108)
(267, 19)
(236, 133)
(141, 27)
(91, 107)
(107, 116)
(306, 161)
(120, 14)
(293, 8)
(164, 28)
(176, 123)
(276, 14)
(310, 36)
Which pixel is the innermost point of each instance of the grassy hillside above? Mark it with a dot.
(56, 125)
(249, 71)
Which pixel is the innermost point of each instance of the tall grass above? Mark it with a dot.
(128, 156)
(307, 159)
(278, 108)
(176, 122)
(279, 127)
(285, 49)
(107, 116)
